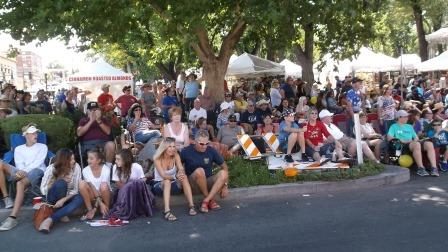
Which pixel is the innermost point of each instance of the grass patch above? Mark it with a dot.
(245, 173)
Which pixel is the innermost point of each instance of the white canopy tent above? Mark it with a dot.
(233, 58)
(247, 65)
(291, 69)
(369, 61)
(93, 74)
(331, 68)
(438, 63)
(410, 62)
(438, 37)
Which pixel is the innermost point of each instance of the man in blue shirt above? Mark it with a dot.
(354, 102)
(191, 91)
(198, 160)
(286, 89)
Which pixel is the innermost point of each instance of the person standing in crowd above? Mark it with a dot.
(60, 185)
(169, 101)
(354, 102)
(132, 196)
(274, 94)
(29, 160)
(105, 99)
(96, 185)
(148, 99)
(42, 104)
(125, 101)
(177, 129)
(198, 160)
(291, 134)
(180, 84)
(170, 178)
(286, 90)
(94, 131)
(191, 91)
(405, 133)
(386, 109)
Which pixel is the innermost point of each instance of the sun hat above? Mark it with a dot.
(325, 113)
(29, 129)
(224, 106)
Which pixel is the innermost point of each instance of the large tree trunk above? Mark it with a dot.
(215, 67)
(305, 56)
(422, 43)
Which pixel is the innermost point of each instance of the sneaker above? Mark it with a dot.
(422, 172)
(8, 224)
(288, 159)
(9, 203)
(443, 166)
(434, 172)
(306, 158)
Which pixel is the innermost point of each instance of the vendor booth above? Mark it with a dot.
(247, 65)
(95, 74)
(291, 69)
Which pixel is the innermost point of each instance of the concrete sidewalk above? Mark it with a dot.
(392, 175)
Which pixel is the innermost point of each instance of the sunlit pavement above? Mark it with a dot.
(407, 217)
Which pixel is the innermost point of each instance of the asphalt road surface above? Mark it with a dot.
(407, 217)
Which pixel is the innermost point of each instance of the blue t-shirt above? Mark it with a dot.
(403, 132)
(168, 101)
(191, 89)
(441, 139)
(355, 100)
(289, 92)
(194, 159)
(282, 134)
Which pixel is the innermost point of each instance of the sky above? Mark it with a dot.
(51, 51)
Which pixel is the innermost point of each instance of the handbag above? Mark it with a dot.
(44, 211)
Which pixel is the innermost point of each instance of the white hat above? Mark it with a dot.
(262, 101)
(224, 105)
(401, 113)
(325, 113)
(29, 130)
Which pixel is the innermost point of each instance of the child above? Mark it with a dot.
(440, 139)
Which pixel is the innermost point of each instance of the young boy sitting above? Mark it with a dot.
(440, 139)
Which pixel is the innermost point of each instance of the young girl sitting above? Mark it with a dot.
(440, 139)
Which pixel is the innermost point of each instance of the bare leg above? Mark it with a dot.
(199, 178)
(416, 153)
(338, 149)
(292, 139)
(187, 191)
(301, 141)
(377, 147)
(217, 186)
(368, 152)
(109, 149)
(211, 131)
(20, 194)
(86, 193)
(166, 183)
(429, 148)
(105, 193)
(4, 168)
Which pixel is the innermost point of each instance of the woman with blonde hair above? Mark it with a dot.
(176, 129)
(170, 178)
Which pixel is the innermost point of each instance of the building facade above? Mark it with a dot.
(8, 69)
(29, 69)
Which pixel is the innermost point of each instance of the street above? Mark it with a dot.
(407, 217)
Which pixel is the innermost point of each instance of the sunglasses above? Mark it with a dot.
(170, 139)
(203, 144)
(233, 120)
(437, 124)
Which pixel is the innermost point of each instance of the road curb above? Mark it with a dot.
(392, 175)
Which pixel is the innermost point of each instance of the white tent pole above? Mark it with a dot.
(402, 75)
(358, 138)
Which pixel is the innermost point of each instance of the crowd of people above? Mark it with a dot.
(178, 153)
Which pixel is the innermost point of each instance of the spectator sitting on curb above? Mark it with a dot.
(29, 168)
(291, 134)
(198, 160)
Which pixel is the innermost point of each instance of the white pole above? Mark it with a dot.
(358, 138)
(402, 76)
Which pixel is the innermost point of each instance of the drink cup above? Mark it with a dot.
(37, 200)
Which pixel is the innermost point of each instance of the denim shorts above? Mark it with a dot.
(157, 188)
(34, 176)
(325, 149)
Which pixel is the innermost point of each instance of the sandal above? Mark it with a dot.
(213, 205)
(204, 207)
(169, 216)
(88, 215)
(192, 211)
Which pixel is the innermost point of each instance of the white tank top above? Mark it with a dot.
(170, 172)
(179, 138)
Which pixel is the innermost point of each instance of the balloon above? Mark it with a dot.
(405, 161)
(313, 100)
